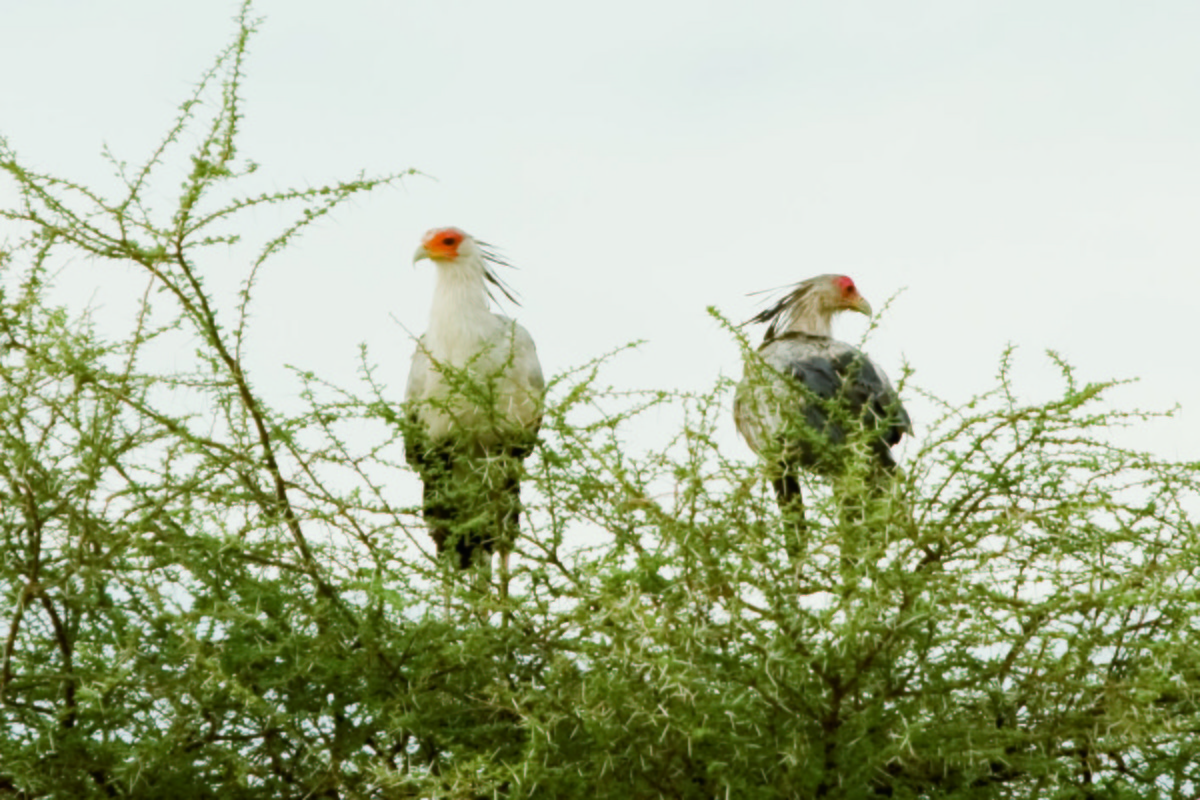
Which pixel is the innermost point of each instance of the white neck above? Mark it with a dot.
(460, 317)
(809, 315)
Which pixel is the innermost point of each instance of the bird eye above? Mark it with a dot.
(448, 241)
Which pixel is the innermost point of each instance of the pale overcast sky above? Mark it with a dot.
(1026, 172)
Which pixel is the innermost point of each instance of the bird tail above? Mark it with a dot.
(872, 514)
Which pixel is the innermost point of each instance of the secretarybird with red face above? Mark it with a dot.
(806, 397)
(473, 405)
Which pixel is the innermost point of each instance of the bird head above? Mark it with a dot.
(455, 248)
(445, 244)
(840, 294)
(809, 306)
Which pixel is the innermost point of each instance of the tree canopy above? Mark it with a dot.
(204, 596)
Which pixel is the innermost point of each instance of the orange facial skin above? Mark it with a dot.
(441, 244)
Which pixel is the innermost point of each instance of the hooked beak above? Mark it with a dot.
(420, 254)
(861, 305)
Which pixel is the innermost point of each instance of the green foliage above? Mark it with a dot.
(230, 603)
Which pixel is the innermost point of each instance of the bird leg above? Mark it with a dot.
(791, 508)
(506, 612)
(504, 575)
(509, 522)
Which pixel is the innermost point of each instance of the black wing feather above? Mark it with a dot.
(847, 377)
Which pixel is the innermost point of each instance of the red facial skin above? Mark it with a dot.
(850, 296)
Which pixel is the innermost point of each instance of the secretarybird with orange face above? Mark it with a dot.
(807, 397)
(473, 404)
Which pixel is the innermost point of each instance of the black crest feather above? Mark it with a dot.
(777, 312)
(491, 256)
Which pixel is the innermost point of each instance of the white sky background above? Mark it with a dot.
(1027, 172)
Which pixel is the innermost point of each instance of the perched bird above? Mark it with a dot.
(473, 404)
(807, 395)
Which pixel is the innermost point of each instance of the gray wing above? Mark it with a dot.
(418, 373)
(416, 442)
(528, 377)
(841, 385)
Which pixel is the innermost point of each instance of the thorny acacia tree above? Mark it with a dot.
(233, 603)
